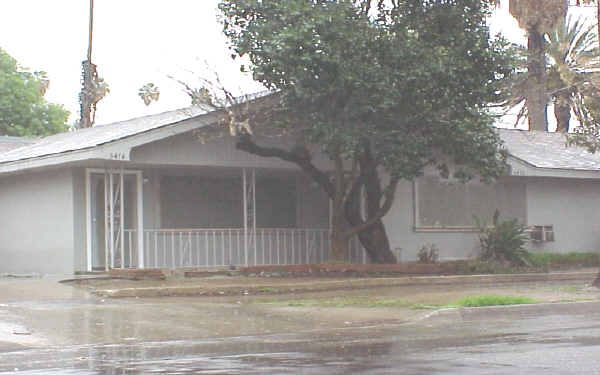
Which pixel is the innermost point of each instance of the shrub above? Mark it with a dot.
(503, 241)
(428, 253)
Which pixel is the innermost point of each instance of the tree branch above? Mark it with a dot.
(299, 156)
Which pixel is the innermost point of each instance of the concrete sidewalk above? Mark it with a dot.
(239, 285)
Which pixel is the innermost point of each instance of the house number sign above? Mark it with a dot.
(117, 155)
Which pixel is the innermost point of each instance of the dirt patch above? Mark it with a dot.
(248, 286)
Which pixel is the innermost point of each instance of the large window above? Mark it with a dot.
(201, 202)
(442, 204)
(216, 202)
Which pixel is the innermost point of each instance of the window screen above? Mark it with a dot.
(214, 202)
(449, 204)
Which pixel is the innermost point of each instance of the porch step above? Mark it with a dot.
(136, 274)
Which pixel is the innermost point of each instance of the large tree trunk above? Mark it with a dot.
(562, 113)
(374, 239)
(596, 282)
(339, 244)
(536, 99)
(375, 242)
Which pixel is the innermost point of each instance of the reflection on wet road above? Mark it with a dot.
(560, 339)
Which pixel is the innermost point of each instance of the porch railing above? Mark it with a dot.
(183, 248)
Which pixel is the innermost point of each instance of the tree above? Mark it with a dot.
(23, 110)
(383, 91)
(581, 3)
(573, 52)
(537, 17)
(571, 57)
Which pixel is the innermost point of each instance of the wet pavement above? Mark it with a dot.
(50, 328)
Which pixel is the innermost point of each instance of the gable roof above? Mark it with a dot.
(548, 150)
(8, 143)
(532, 153)
(98, 135)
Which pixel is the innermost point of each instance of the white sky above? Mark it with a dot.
(135, 42)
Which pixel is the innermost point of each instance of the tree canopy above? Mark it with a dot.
(395, 88)
(23, 110)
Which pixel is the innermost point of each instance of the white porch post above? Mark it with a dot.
(106, 224)
(88, 220)
(249, 203)
(121, 193)
(140, 219)
(111, 214)
(245, 214)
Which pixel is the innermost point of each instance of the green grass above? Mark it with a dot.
(568, 289)
(480, 301)
(373, 302)
(565, 260)
(493, 300)
(360, 301)
(269, 290)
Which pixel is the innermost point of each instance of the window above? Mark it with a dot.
(445, 205)
(216, 202)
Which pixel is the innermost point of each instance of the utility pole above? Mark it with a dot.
(93, 87)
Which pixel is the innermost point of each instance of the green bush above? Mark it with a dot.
(503, 241)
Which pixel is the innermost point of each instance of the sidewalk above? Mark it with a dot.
(240, 285)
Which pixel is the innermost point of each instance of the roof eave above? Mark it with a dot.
(522, 168)
(116, 150)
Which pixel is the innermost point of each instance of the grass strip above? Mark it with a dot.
(480, 301)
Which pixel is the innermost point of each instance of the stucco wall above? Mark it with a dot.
(187, 150)
(571, 206)
(405, 240)
(36, 222)
(79, 218)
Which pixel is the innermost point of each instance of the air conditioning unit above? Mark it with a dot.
(541, 233)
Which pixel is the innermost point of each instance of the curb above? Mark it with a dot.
(245, 287)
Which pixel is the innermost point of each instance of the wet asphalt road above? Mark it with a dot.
(534, 339)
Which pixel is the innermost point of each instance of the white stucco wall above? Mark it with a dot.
(36, 223)
(452, 244)
(571, 206)
(399, 223)
(187, 150)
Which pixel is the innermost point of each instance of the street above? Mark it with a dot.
(549, 338)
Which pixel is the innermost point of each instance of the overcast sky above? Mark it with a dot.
(135, 42)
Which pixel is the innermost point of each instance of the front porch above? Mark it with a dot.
(206, 217)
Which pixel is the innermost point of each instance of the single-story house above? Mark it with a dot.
(147, 193)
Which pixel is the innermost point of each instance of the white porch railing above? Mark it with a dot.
(188, 248)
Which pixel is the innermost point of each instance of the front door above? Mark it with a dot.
(114, 221)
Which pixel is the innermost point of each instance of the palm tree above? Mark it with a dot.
(573, 52)
(537, 17)
(580, 3)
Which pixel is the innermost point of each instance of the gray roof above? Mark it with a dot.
(98, 135)
(101, 134)
(538, 149)
(548, 150)
(8, 143)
